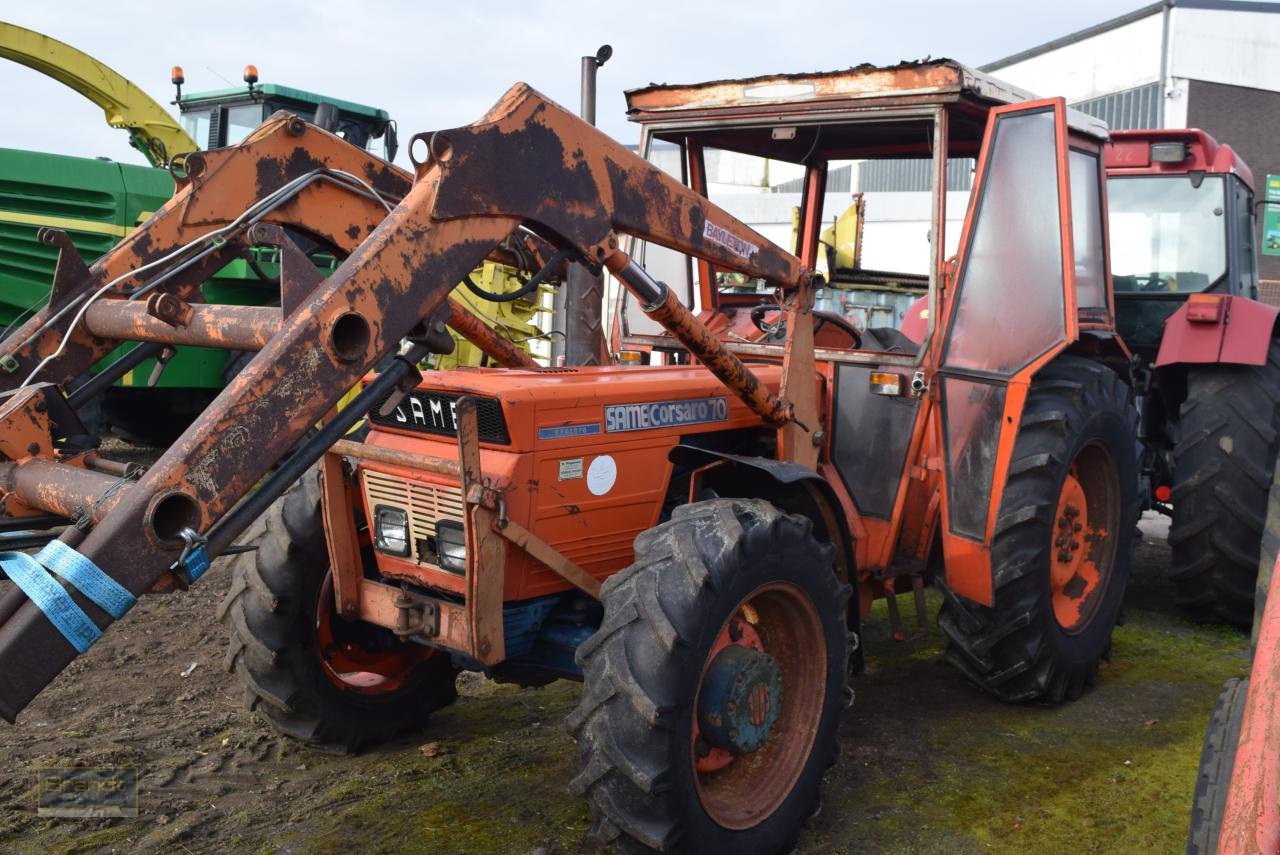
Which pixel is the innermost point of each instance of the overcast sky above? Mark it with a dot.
(438, 65)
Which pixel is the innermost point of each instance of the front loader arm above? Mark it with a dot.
(581, 184)
(215, 189)
(528, 164)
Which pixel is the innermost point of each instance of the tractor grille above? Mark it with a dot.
(424, 503)
(428, 411)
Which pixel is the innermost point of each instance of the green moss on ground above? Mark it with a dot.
(1112, 772)
(497, 786)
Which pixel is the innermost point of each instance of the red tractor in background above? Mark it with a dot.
(1206, 362)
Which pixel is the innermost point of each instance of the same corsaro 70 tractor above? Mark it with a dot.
(695, 539)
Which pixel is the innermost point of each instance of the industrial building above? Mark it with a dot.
(1209, 64)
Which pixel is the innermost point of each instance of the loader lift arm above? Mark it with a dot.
(528, 164)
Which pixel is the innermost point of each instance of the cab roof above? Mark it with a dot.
(286, 93)
(922, 82)
(1129, 153)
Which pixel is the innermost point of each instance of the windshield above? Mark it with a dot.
(242, 121)
(1167, 235)
(196, 123)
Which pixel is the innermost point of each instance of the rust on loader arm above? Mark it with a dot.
(528, 164)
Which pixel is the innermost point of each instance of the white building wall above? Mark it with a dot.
(1233, 47)
(1111, 61)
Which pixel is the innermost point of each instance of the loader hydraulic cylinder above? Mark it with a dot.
(662, 305)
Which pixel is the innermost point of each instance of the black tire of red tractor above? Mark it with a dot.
(1217, 759)
(642, 667)
(1229, 436)
(1015, 649)
(270, 616)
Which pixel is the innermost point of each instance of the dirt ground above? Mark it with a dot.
(928, 764)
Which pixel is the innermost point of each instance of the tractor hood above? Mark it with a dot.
(519, 410)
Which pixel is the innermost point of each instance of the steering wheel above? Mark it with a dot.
(777, 331)
(1154, 282)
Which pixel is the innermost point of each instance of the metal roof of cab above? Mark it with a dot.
(273, 90)
(920, 82)
(1130, 154)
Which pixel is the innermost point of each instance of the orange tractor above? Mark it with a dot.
(696, 539)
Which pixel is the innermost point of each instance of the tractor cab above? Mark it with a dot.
(1182, 222)
(226, 116)
(865, 176)
(951, 281)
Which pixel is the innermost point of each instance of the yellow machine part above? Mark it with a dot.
(151, 129)
(845, 236)
(513, 321)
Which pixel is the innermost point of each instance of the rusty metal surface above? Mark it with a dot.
(906, 84)
(583, 186)
(863, 81)
(229, 327)
(223, 185)
(341, 539)
(396, 457)
(57, 488)
(707, 348)
(378, 605)
(800, 439)
(528, 163)
(486, 550)
(482, 336)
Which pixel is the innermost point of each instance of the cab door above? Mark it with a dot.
(1012, 308)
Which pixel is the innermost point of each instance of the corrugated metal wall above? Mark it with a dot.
(881, 176)
(1123, 111)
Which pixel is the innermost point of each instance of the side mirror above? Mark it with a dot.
(390, 142)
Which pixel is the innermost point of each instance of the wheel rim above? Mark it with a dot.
(774, 638)
(349, 664)
(1084, 537)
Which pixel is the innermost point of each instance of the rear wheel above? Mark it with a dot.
(1223, 464)
(316, 677)
(1063, 534)
(715, 684)
(1217, 760)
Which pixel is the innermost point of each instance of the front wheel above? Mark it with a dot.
(715, 684)
(1063, 534)
(334, 683)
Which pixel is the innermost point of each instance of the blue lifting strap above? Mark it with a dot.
(55, 601)
(52, 599)
(112, 597)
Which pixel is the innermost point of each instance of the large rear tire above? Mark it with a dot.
(1223, 463)
(714, 686)
(1060, 551)
(1217, 760)
(333, 683)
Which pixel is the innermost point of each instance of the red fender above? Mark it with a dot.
(1210, 328)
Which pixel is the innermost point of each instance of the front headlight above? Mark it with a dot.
(391, 530)
(451, 546)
